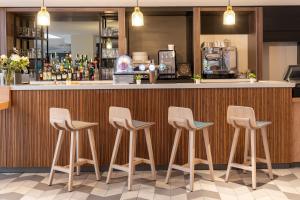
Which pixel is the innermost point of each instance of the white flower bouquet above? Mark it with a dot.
(12, 64)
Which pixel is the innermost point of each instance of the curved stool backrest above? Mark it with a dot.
(241, 116)
(60, 118)
(120, 117)
(180, 117)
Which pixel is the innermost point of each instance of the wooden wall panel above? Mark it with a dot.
(3, 47)
(122, 42)
(196, 40)
(29, 140)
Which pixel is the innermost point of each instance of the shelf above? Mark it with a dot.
(30, 38)
(108, 58)
(110, 37)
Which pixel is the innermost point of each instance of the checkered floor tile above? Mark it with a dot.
(28, 186)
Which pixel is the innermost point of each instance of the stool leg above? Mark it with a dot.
(56, 155)
(232, 152)
(192, 158)
(267, 152)
(77, 152)
(208, 153)
(253, 158)
(134, 154)
(72, 158)
(131, 164)
(150, 152)
(114, 154)
(173, 154)
(94, 153)
(246, 150)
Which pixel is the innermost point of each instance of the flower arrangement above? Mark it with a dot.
(197, 78)
(251, 75)
(12, 64)
(138, 79)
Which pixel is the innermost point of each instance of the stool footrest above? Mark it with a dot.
(186, 167)
(120, 167)
(61, 168)
(136, 161)
(241, 166)
(263, 160)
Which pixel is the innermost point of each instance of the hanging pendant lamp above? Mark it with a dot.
(137, 17)
(43, 16)
(229, 15)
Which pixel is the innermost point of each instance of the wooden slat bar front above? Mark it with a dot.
(27, 139)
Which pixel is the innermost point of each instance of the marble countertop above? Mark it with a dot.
(95, 85)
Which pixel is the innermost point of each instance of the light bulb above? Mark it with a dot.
(43, 17)
(229, 16)
(137, 17)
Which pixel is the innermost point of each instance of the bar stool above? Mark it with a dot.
(182, 118)
(60, 119)
(120, 118)
(244, 117)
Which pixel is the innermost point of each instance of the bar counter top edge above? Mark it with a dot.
(109, 85)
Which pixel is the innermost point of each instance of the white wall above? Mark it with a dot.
(277, 57)
(239, 41)
(83, 45)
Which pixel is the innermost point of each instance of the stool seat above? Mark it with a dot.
(83, 125)
(202, 125)
(141, 125)
(260, 124)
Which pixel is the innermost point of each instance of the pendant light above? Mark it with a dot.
(229, 15)
(137, 17)
(43, 16)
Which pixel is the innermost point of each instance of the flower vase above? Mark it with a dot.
(9, 77)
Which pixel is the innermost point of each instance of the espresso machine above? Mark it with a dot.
(218, 61)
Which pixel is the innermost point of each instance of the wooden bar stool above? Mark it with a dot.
(244, 117)
(60, 119)
(182, 118)
(120, 118)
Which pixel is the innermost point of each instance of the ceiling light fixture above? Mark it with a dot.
(137, 17)
(229, 15)
(43, 16)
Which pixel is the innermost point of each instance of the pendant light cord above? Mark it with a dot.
(137, 3)
(229, 3)
(43, 3)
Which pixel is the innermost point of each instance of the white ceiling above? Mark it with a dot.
(152, 3)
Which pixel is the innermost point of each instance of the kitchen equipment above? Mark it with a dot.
(184, 70)
(139, 57)
(293, 75)
(167, 57)
(219, 62)
(171, 47)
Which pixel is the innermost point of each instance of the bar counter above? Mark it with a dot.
(28, 140)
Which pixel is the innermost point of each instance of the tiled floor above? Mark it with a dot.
(286, 185)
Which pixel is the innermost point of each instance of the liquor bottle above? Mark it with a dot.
(58, 75)
(40, 74)
(45, 74)
(53, 75)
(49, 74)
(64, 75)
(69, 73)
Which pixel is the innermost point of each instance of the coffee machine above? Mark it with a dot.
(218, 61)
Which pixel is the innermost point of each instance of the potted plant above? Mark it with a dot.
(138, 79)
(252, 77)
(11, 65)
(197, 78)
